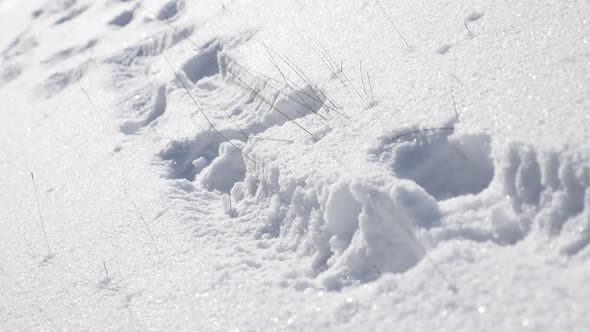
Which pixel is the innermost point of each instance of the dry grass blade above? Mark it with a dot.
(420, 131)
(370, 86)
(230, 118)
(28, 244)
(289, 85)
(106, 271)
(363, 77)
(314, 88)
(392, 24)
(40, 215)
(295, 91)
(283, 75)
(197, 104)
(147, 227)
(340, 71)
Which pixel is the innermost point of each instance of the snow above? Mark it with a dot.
(300, 169)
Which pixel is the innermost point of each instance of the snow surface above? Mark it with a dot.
(365, 184)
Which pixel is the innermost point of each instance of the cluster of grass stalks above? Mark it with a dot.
(227, 69)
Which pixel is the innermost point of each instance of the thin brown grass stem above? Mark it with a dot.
(353, 87)
(286, 86)
(271, 139)
(230, 118)
(454, 105)
(370, 86)
(334, 72)
(105, 269)
(468, 30)
(417, 131)
(314, 88)
(28, 244)
(284, 78)
(363, 77)
(392, 24)
(40, 215)
(341, 70)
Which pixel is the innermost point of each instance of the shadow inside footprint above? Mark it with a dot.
(122, 19)
(443, 165)
(170, 9)
(202, 65)
(186, 158)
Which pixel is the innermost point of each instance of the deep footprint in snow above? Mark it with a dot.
(217, 164)
(204, 64)
(186, 158)
(445, 166)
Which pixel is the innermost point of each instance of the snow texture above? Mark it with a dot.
(294, 165)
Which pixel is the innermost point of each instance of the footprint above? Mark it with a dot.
(443, 49)
(68, 52)
(53, 7)
(9, 73)
(122, 19)
(552, 187)
(474, 16)
(187, 158)
(217, 163)
(170, 9)
(363, 238)
(255, 105)
(202, 65)
(445, 166)
(141, 107)
(57, 82)
(20, 46)
(72, 14)
(36, 13)
(134, 54)
(522, 175)
(58, 6)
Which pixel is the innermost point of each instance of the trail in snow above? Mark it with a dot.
(340, 178)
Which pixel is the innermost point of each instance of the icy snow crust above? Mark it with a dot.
(348, 199)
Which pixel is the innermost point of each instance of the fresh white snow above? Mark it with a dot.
(320, 175)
